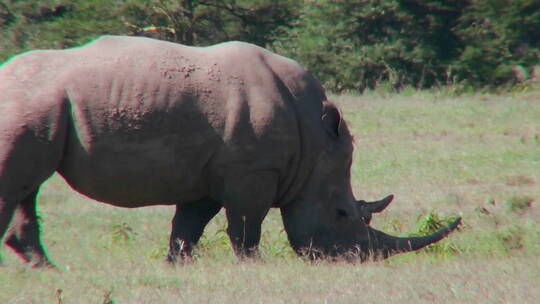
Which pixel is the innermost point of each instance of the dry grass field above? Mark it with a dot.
(476, 156)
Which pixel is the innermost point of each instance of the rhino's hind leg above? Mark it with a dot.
(23, 236)
(22, 171)
(32, 138)
(6, 213)
(188, 225)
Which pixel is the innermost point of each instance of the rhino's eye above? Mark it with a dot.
(341, 214)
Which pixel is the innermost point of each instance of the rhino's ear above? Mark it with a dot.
(331, 118)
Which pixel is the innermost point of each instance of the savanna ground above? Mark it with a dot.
(475, 155)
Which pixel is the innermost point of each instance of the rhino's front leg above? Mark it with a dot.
(188, 225)
(245, 232)
(247, 203)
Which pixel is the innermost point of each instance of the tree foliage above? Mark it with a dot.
(203, 22)
(28, 24)
(500, 41)
(348, 44)
(359, 44)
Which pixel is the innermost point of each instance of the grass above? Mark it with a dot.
(442, 155)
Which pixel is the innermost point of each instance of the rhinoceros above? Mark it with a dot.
(132, 122)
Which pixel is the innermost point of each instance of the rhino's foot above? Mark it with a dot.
(32, 254)
(43, 263)
(179, 259)
(187, 227)
(36, 259)
(247, 255)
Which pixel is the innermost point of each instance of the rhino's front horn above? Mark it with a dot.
(388, 245)
(378, 206)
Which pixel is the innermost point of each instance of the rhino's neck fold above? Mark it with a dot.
(302, 162)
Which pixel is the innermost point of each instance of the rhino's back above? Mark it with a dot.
(153, 121)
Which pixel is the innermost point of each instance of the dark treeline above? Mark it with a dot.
(348, 44)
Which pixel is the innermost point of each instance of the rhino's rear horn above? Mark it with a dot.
(378, 206)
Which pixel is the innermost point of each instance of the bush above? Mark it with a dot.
(52, 24)
(500, 42)
(354, 45)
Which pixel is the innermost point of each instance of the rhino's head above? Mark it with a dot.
(326, 220)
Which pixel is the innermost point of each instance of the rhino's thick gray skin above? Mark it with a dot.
(138, 122)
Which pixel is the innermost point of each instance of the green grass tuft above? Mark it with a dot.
(519, 203)
(431, 223)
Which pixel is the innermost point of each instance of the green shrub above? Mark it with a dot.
(431, 223)
(123, 233)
